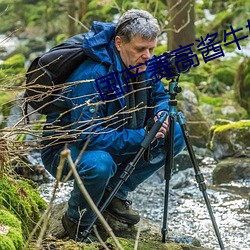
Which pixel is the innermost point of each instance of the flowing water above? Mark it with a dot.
(187, 212)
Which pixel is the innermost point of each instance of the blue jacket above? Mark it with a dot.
(89, 118)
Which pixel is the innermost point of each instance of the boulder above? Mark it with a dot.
(231, 169)
(230, 140)
(150, 235)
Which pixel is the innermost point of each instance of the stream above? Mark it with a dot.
(187, 212)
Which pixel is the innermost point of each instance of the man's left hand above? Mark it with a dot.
(164, 128)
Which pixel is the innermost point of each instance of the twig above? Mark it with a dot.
(137, 236)
(66, 154)
(77, 21)
(99, 238)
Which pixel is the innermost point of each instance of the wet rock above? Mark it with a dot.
(181, 179)
(231, 169)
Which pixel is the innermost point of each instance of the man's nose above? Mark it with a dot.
(146, 55)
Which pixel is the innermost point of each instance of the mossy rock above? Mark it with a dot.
(231, 169)
(150, 235)
(231, 139)
(128, 244)
(22, 200)
(10, 231)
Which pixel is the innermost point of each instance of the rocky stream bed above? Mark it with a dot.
(188, 215)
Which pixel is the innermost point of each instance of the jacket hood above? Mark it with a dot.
(98, 42)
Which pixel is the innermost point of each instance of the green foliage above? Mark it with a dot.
(224, 75)
(22, 200)
(242, 84)
(16, 61)
(128, 244)
(213, 77)
(6, 243)
(13, 66)
(159, 50)
(13, 239)
(226, 13)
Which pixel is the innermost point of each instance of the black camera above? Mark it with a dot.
(177, 64)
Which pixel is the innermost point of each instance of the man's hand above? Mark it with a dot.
(164, 128)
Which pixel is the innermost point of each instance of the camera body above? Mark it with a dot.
(177, 64)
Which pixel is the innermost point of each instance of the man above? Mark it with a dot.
(111, 128)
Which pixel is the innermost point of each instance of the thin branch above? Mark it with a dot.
(77, 21)
(99, 238)
(66, 154)
(138, 236)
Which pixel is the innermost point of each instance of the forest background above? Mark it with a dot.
(34, 26)
(39, 25)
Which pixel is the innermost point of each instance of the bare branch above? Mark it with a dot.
(66, 154)
(77, 21)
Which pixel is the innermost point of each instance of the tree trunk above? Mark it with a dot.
(83, 7)
(72, 13)
(181, 23)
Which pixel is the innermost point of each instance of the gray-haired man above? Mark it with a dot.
(113, 128)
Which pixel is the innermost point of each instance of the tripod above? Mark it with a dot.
(169, 163)
(173, 90)
(129, 168)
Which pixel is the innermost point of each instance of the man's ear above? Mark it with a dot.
(118, 42)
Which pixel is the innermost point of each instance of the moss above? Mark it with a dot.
(6, 243)
(16, 237)
(16, 61)
(128, 244)
(238, 128)
(22, 200)
(235, 125)
(220, 102)
(66, 245)
(214, 101)
(13, 71)
(9, 219)
(13, 239)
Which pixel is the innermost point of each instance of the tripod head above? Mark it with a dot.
(174, 89)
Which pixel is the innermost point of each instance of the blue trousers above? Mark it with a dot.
(100, 170)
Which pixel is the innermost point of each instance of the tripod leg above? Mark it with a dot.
(199, 177)
(168, 173)
(129, 169)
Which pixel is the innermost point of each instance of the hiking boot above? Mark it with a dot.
(121, 211)
(75, 231)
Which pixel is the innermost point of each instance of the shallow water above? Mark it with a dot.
(187, 212)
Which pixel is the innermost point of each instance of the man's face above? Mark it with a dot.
(137, 51)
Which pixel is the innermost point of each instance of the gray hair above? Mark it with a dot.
(137, 22)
